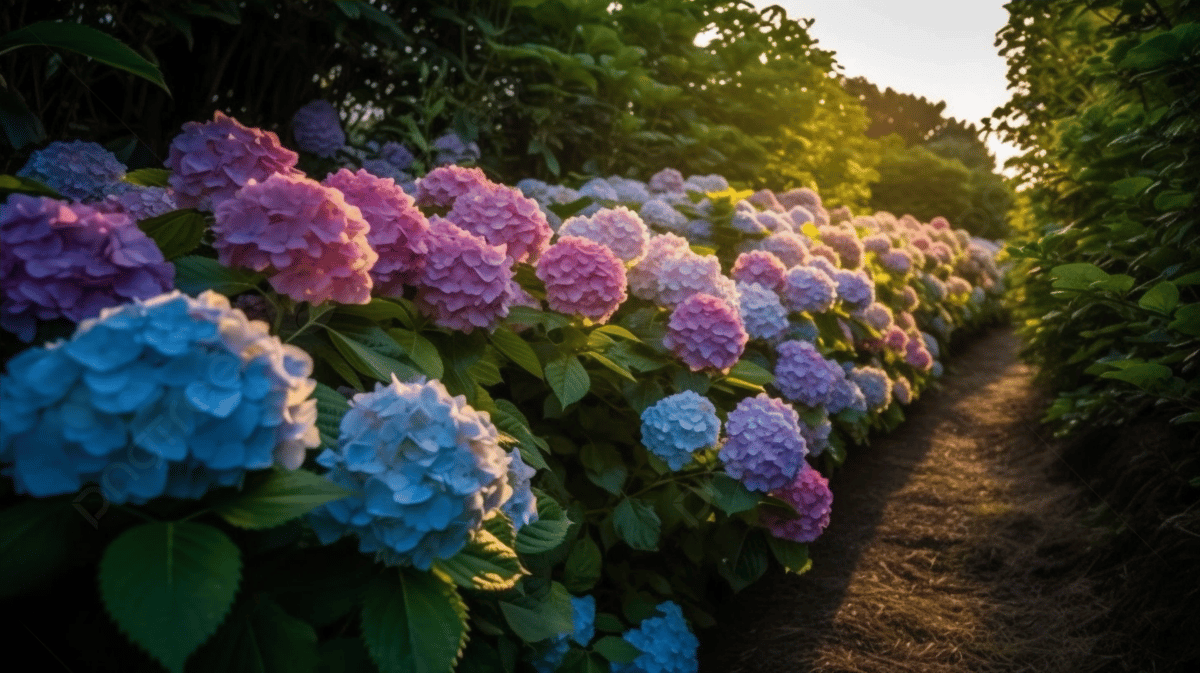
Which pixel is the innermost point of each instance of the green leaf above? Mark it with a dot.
(195, 274)
(793, 556)
(750, 372)
(379, 310)
(21, 127)
(518, 350)
(488, 562)
(11, 184)
(1128, 188)
(535, 620)
(1168, 201)
(748, 563)
(368, 361)
(1120, 282)
(38, 538)
(278, 498)
(331, 406)
(568, 379)
(168, 586)
(1187, 320)
(731, 496)
(616, 649)
(176, 233)
(618, 331)
(149, 177)
(414, 622)
(87, 41)
(637, 524)
(259, 637)
(604, 467)
(1152, 53)
(548, 531)
(1142, 375)
(509, 418)
(420, 350)
(1079, 276)
(1162, 298)
(609, 364)
(583, 567)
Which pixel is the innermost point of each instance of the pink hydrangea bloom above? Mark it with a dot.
(789, 247)
(666, 180)
(210, 161)
(706, 333)
(643, 276)
(685, 274)
(800, 197)
(895, 339)
(466, 283)
(809, 494)
(820, 250)
(917, 356)
(941, 252)
(939, 222)
(582, 277)
(845, 243)
(619, 229)
(896, 260)
(503, 216)
(906, 321)
(444, 184)
(759, 266)
(765, 199)
(311, 242)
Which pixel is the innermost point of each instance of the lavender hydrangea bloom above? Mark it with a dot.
(60, 260)
(659, 213)
(521, 508)
(678, 425)
(803, 375)
(909, 301)
(902, 390)
(845, 243)
(747, 223)
(451, 149)
(916, 355)
(765, 446)
(643, 276)
(318, 129)
(666, 180)
(846, 395)
(583, 618)
(791, 248)
(397, 155)
(817, 436)
(878, 316)
(705, 333)
(877, 243)
(503, 216)
(619, 229)
(666, 643)
(79, 170)
(759, 266)
(170, 396)
(875, 386)
(809, 289)
(629, 191)
(762, 313)
(685, 274)
(139, 203)
(466, 283)
(706, 183)
(800, 197)
(809, 494)
(382, 169)
(854, 288)
(444, 184)
(598, 189)
(582, 277)
(426, 469)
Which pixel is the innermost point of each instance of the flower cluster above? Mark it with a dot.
(809, 289)
(210, 161)
(79, 170)
(466, 283)
(765, 446)
(139, 203)
(582, 277)
(643, 276)
(762, 313)
(503, 216)
(759, 266)
(684, 274)
(845, 243)
(659, 213)
(803, 375)
(875, 386)
(666, 643)
(444, 184)
(809, 494)
(583, 618)
(521, 508)
(666, 180)
(425, 468)
(311, 242)
(816, 437)
(678, 425)
(619, 229)
(854, 288)
(451, 149)
(170, 396)
(706, 333)
(61, 260)
(318, 129)
(790, 248)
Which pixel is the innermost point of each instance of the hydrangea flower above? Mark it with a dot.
(582, 277)
(168, 396)
(747, 222)
(875, 385)
(451, 149)
(643, 276)
(444, 184)
(466, 283)
(809, 289)
(908, 300)
(877, 243)
(666, 643)
(822, 251)
(941, 252)
(895, 339)
(763, 315)
(759, 266)
(902, 390)
(425, 467)
(800, 216)
(931, 344)
(765, 199)
(598, 189)
(816, 437)
(854, 288)
(666, 180)
(521, 508)
(311, 242)
(79, 170)
(935, 287)
(382, 169)
(210, 161)
(791, 248)
(803, 375)
(139, 203)
(705, 333)
(659, 213)
(318, 129)
(764, 445)
(583, 618)
(706, 183)
(502, 215)
(916, 355)
(398, 229)
(956, 286)
(619, 229)
(678, 425)
(846, 395)
(878, 316)
(809, 494)
(937, 370)
(60, 260)
(823, 264)
(397, 155)
(845, 243)
(685, 274)
(800, 197)
(629, 191)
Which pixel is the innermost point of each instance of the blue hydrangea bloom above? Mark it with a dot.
(659, 213)
(521, 508)
(168, 396)
(875, 385)
(803, 375)
(807, 288)
(846, 395)
(816, 437)
(452, 149)
(854, 288)
(765, 446)
(666, 642)
(78, 170)
(762, 312)
(317, 128)
(426, 470)
(679, 424)
(583, 615)
(397, 155)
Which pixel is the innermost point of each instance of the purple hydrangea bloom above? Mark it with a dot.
(765, 445)
(931, 344)
(791, 248)
(802, 197)
(683, 275)
(878, 316)
(800, 216)
(139, 203)
(444, 184)
(706, 333)
(582, 277)
(425, 468)
(823, 264)
(877, 243)
(209, 162)
(659, 213)
(318, 129)
(816, 437)
(79, 170)
(902, 390)
(803, 375)
(666, 180)
(643, 276)
(598, 189)
(845, 242)
(521, 508)
(382, 169)
(397, 155)
(809, 289)
(935, 287)
(169, 396)
(60, 260)
(759, 266)
(854, 288)
(706, 183)
(451, 149)
(666, 643)
(809, 494)
(846, 395)
(875, 386)
(466, 283)
(747, 222)
(583, 618)
(503, 216)
(629, 191)
(678, 425)
(619, 229)
(822, 252)
(765, 199)
(909, 301)
(762, 313)
(916, 355)
(895, 339)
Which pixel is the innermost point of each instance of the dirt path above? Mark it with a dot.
(946, 551)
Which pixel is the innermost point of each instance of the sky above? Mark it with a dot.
(939, 49)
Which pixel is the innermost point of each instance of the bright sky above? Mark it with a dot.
(939, 49)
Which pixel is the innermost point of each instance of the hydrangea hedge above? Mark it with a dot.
(445, 424)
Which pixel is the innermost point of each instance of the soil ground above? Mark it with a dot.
(956, 543)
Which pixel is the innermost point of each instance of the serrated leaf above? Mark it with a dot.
(149, 177)
(195, 274)
(420, 350)
(489, 561)
(259, 637)
(414, 622)
(616, 649)
(87, 41)
(731, 496)
(509, 418)
(168, 586)
(518, 350)
(568, 379)
(637, 524)
(278, 498)
(793, 556)
(548, 531)
(331, 407)
(583, 567)
(38, 538)
(176, 233)
(368, 361)
(1162, 298)
(535, 620)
